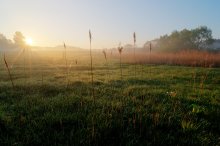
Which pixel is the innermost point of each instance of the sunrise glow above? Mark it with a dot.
(29, 41)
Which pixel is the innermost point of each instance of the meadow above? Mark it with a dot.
(52, 103)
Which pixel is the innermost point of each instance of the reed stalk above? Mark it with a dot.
(106, 62)
(24, 65)
(66, 68)
(91, 63)
(150, 57)
(134, 37)
(120, 48)
(9, 73)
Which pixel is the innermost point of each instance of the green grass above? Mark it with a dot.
(164, 107)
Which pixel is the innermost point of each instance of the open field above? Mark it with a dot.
(160, 105)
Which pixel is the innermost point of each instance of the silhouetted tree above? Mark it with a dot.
(5, 43)
(202, 37)
(199, 38)
(19, 40)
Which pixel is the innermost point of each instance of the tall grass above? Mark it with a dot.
(120, 48)
(134, 37)
(65, 58)
(150, 58)
(24, 52)
(66, 66)
(9, 73)
(30, 61)
(106, 61)
(91, 67)
(105, 55)
(27, 63)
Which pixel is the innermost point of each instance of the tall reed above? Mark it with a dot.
(134, 37)
(194, 74)
(65, 58)
(66, 67)
(9, 73)
(105, 55)
(30, 62)
(24, 66)
(150, 57)
(120, 48)
(106, 61)
(91, 67)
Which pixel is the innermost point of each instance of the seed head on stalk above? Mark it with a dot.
(104, 53)
(67, 72)
(120, 48)
(91, 68)
(134, 37)
(9, 73)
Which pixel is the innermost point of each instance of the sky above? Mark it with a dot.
(52, 22)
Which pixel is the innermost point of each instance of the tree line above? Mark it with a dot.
(18, 41)
(195, 39)
(199, 38)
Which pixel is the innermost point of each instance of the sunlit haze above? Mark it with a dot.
(29, 41)
(51, 22)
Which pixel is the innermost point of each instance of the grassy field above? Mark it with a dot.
(161, 105)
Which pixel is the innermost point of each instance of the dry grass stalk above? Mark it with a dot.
(120, 48)
(42, 79)
(9, 73)
(30, 62)
(91, 67)
(150, 56)
(65, 57)
(202, 82)
(105, 55)
(150, 47)
(194, 78)
(24, 65)
(64, 45)
(134, 37)
(27, 62)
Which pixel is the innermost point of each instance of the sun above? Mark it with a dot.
(29, 41)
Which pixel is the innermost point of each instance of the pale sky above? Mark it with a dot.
(51, 22)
